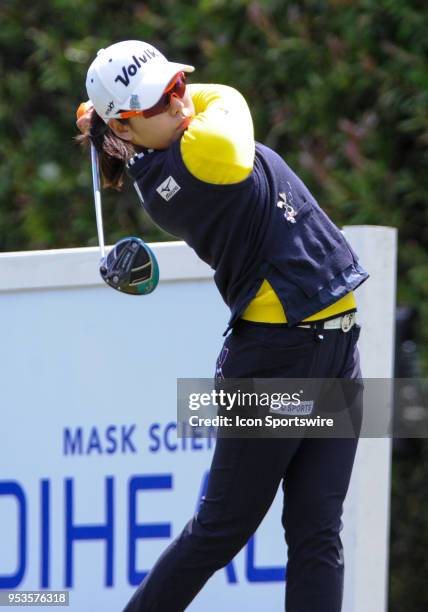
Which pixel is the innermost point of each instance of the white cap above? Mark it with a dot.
(129, 75)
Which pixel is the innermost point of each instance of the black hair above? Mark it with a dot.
(113, 152)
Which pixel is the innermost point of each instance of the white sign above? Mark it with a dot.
(94, 482)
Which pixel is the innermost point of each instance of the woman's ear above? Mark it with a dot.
(122, 130)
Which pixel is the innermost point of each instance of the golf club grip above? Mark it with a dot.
(97, 199)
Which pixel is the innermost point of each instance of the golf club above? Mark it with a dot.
(130, 266)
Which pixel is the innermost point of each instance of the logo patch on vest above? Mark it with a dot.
(168, 188)
(290, 212)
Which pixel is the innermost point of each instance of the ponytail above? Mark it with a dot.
(113, 152)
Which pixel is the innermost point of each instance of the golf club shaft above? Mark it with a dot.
(97, 199)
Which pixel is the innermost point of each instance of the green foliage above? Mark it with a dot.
(339, 88)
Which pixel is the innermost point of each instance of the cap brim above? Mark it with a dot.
(153, 84)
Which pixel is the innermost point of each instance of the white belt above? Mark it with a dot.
(344, 322)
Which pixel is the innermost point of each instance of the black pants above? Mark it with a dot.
(246, 473)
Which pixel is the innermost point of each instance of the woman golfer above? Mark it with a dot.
(287, 274)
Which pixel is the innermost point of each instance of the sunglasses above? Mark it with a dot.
(175, 88)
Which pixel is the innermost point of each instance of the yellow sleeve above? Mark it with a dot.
(218, 146)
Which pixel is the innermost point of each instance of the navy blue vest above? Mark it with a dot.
(268, 226)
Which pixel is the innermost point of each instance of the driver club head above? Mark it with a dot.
(130, 267)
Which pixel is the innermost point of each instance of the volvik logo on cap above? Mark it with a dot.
(132, 69)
